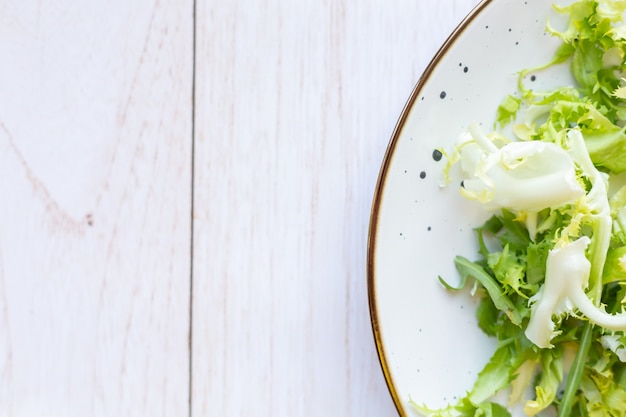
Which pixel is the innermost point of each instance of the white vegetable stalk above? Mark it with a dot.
(522, 176)
(597, 207)
(567, 275)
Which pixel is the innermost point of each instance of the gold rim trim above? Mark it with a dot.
(378, 192)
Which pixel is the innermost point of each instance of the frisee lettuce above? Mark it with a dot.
(552, 283)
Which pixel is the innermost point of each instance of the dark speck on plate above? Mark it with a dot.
(437, 155)
(423, 174)
(442, 95)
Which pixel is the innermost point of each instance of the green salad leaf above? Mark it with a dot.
(551, 283)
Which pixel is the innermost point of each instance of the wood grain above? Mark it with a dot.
(95, 178)
(110, 138)
(295, 104)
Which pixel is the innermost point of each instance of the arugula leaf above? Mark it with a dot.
(487, 316)
(536, 256)
(502, 302)
(514, 233)
(495, 376)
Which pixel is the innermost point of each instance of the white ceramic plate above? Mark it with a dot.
(429, 345)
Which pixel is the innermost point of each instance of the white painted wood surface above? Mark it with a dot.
(185, 201)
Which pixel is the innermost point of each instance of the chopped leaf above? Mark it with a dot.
(508, 110)
(551, 269)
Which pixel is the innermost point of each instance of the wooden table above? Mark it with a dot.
(186, 189)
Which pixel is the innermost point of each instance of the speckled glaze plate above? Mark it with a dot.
(429, 345)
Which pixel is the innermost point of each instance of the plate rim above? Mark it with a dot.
(378, 194)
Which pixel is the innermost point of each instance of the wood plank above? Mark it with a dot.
(95, 179)
(295, 104)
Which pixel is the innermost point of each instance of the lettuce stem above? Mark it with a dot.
(576, 372)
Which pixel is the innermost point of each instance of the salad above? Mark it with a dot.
(550, 272)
